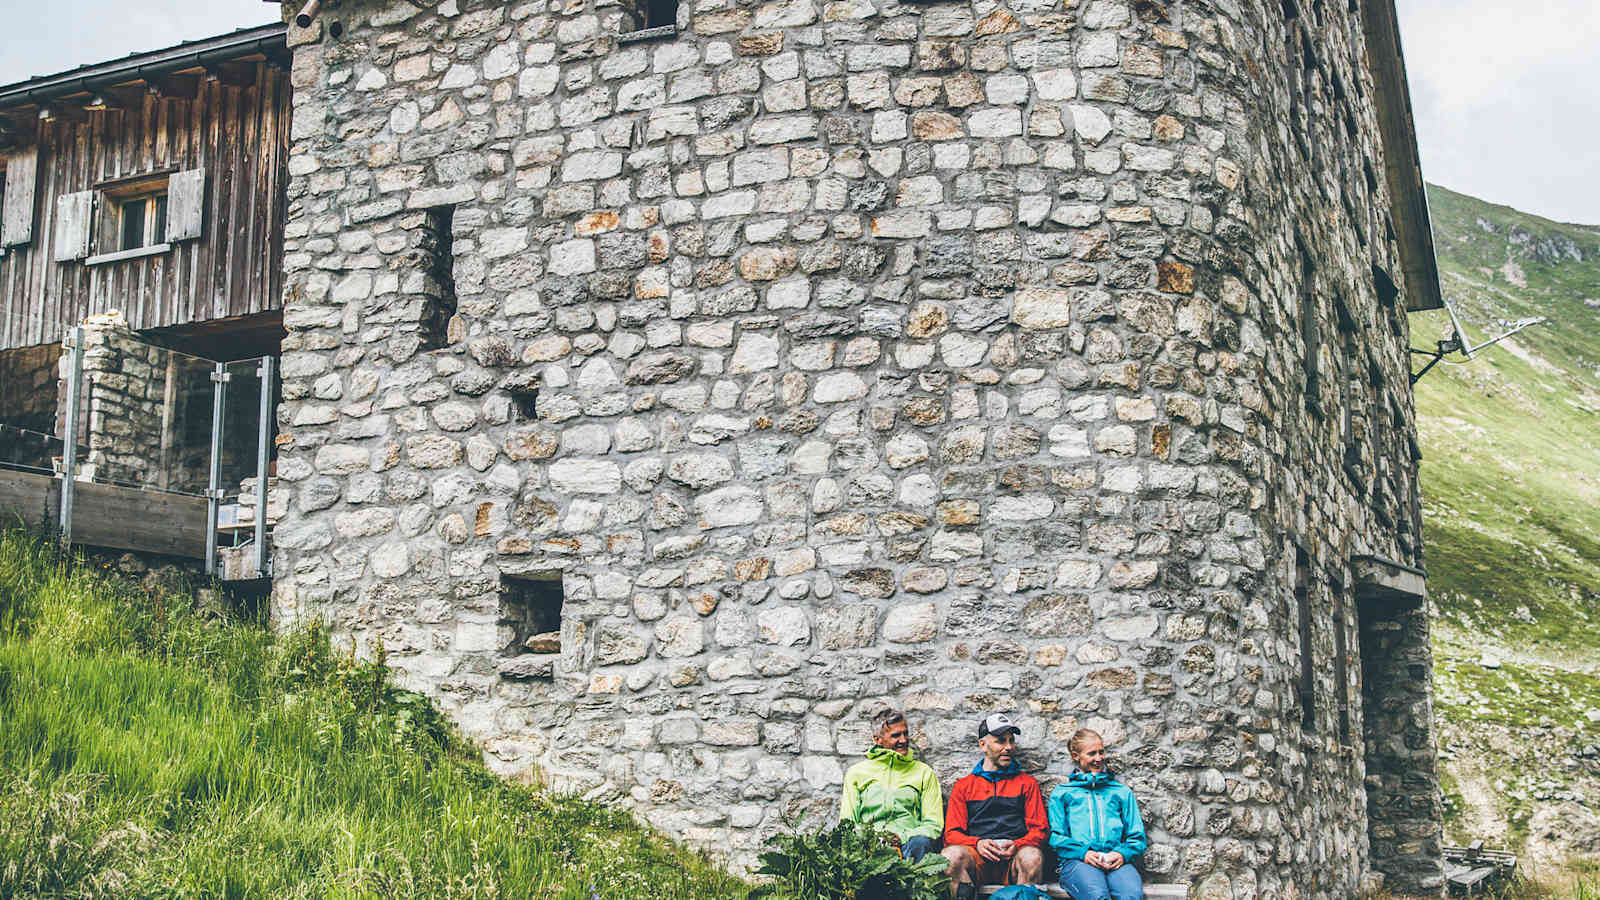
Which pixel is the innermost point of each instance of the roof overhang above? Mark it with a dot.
(1408, 195)
(1386, 584)
(266, 40)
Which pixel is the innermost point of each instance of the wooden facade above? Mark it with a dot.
(228, 121)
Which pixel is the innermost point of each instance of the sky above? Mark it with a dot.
(1504, 91)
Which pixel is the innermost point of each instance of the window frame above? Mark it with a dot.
(109, 228)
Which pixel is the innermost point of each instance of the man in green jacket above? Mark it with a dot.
(895, 792)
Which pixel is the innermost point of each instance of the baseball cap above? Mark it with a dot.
(998, 723)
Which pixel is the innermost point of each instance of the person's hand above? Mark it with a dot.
(1008, 847)
(991, 850)
(1111, 861)
(1092, 858)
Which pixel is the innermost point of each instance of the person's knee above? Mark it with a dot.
(1029, 864)
(917, 847)
(962, 859)
(1125, 884)
(1083, 881)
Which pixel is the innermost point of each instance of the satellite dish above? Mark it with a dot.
(1458, 340)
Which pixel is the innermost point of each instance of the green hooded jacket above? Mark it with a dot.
(895, 793)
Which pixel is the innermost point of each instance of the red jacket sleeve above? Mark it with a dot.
(955, 815)
(1034, 814)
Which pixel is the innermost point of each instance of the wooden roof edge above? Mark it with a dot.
(1408, 194)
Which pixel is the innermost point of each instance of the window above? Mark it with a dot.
(130, 217)
(1308, 328)
(530, 625)
(649, 19)
(436, 251)
(1341, 672)
(143, 221)
(1308, 678)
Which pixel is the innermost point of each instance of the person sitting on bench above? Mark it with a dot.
(893, 791)
(995, 825)
(1095, 827)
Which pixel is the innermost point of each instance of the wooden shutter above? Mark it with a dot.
(74, 216)
(186, 205)
(21, 172)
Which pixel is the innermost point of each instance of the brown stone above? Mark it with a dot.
(962, 89)
(935, 126)
(901, 523)
(548, 642)
(480, 520)
(532, 443)
(923, 411)
(1160, 440)
(705, 602)
(940, 56)
(959, 512)
(765, 44)
(597, 222)
(1174, 277)
(1113, 679)
(998, 22)
(927, 320)
(756, 568)
(767, 263)
(1168, 129)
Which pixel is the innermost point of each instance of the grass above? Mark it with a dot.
(148, 751)
(1511, 514)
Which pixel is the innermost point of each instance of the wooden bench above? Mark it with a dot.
(1151, 891)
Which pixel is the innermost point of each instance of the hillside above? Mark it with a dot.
(1511, 494)
(149, 750)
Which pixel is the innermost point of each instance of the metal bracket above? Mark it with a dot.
(221, 377)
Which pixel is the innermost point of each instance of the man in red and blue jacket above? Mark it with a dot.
(995, 825)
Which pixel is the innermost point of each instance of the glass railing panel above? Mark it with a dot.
(144, 416)
(26, 450)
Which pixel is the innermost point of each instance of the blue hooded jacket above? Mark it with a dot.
(1095, 811)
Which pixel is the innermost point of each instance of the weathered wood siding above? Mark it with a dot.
(239, 135)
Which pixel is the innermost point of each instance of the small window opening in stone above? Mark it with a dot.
(1384, 286)
(530, 614)
(1308, 326)
(437, 250)
(650, 18)
(527, 402)
(1308, 680)
(1341, 652)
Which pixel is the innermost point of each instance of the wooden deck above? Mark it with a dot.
(110, 516)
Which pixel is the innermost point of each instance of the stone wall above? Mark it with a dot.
(957, 356)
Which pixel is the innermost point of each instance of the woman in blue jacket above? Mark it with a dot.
(1095, 827)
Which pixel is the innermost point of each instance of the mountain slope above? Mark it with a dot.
(1511, 494)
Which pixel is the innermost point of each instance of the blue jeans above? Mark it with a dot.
(916, 848)
(1085, 882)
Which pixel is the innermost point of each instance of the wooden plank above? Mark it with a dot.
(122, 518)
(74, 216)
(28, 497)
(22, 170)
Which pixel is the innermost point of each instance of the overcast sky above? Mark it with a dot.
(1506, 94)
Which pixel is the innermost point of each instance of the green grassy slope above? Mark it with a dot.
(1511, 494)
(146, 751)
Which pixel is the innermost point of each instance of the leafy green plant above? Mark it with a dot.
(847, 862)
